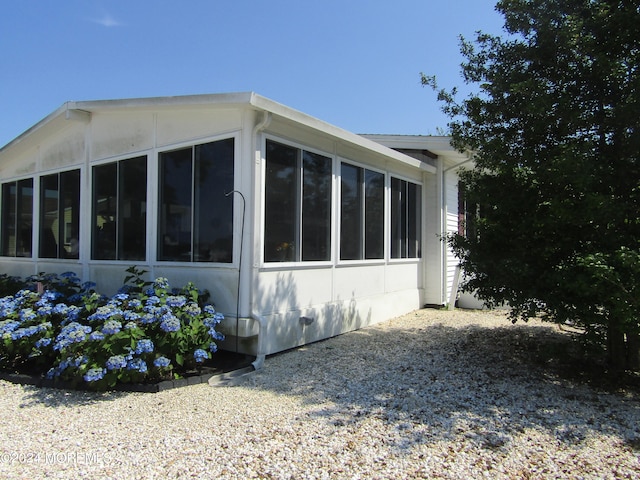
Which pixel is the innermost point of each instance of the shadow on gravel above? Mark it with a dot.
(440, 383)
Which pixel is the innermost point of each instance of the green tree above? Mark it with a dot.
(554, 127)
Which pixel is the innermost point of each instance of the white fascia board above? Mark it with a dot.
(296, 116)
(439, 145)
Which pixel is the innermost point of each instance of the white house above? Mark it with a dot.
(299, 229)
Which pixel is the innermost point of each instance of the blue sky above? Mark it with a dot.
(352, 63)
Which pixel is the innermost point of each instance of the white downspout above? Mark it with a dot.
(262, 324)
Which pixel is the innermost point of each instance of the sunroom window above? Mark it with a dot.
(297, 205)
(361, 213)
(196, 217)
(406, 215)
(120, 210)
(60, 215)
(17, 218)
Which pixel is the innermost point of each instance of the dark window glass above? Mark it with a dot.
(351, 212)
(119, 206)
(281, 205)
(196, 217)
(406, 214)
(213, 221)
(297, 205)
(17, 218)
(316, 207)
(373, 214)
(60, 215)
(362, 214)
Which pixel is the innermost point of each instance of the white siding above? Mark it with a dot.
(451, 226)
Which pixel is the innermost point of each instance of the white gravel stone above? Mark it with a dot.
(432, 394)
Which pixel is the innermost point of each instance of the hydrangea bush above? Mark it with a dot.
(147, 332)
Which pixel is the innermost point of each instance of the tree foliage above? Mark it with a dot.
(554, 127)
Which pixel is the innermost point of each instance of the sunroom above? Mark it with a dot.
(299, 229)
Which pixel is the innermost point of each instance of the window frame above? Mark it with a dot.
(4, 232)
(298, 262)
(62, 227)
(117, 161)
(155, 238)
(363, 220)
(418, 228)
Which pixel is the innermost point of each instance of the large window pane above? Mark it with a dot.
(119, 206)
(374, 214)
(17, 218)
(406, 213)
(105, 208)
(281, 206)
(132, 209)
(196, 216)
(60, 215)
(175, 205)
(350, 213)
(213, 226)
(316, 207)
(362, 219)
(297, 205)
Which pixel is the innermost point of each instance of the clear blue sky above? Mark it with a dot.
(353, 63)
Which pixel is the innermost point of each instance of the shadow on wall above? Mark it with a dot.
(290, 324)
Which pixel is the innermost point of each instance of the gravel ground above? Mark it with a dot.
(432, 394)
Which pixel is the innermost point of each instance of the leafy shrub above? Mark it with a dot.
(10, 285)
(146, 332)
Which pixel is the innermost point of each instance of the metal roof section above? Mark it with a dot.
(82, 110)
(439, 145)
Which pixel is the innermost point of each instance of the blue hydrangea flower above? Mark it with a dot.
(216, 335)
(24, 332)
(45, 310)
(135, 303)
(137, 364)
(152, 300)
(111, 327)
(71, 333)
(192, 309)
(60, 309)
(176, 300)
(66, 363)
(7, 306)
(8, 326)
(144, 346)
(161, 283)
(213, 348)
(73, 312)
(130, 326)
(105, 312)
(27, 314)
(96, 336)
(116, 362)
(147, 318)
(162, 362)
(121, 297)
(213, 320)
(169, 323)
(43, 342)
(200, 355)
(94, 374)
(131, 316)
